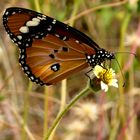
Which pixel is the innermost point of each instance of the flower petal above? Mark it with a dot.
(104, 86)
(114, 83)
(97, 70)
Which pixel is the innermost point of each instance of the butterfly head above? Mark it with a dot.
(100, 56)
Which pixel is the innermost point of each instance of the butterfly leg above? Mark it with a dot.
(87, 74)
(103, 66)
(110, 63)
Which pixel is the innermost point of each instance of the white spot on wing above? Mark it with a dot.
(14, 39)
(19, 37)
(27, 44)
(32, 78)
(64, 38)
(32, 23)
(13, 13)
(36, 19)
(49, 28)
(19, 43)
(22, 62)
(25, 68)
(54, 21)
(57, 35)
(88, 57)
(22, 56)
(41, 18)
(36, 36)
(76, 41)
(54, 68)
(7, 13)
(67, 27)
(24, 29)
(28, 72)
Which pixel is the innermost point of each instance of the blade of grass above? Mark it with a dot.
(120, 116)
(46, 110)
(25, 110)
(21, 121)
(115, 4)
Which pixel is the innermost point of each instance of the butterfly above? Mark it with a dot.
(50, 50)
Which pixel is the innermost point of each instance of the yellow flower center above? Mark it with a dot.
(106, 76)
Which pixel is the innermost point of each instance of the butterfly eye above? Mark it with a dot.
(49, 49)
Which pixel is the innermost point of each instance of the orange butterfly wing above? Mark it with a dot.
(49, 50)
(52, 59)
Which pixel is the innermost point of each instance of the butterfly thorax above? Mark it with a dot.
(100, 56)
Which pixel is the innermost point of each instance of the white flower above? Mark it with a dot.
(86, 111)
(74, 129)
(76, 126)
(106, 77)
(131, 39)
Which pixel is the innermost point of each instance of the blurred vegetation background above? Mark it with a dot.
(27, 110)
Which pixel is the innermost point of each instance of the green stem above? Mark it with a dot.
(37, 6)
(62, 104)
(63, 94)
(66, 109)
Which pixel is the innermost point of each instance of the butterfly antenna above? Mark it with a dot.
(134, 54)
(127, 52)
(120, 71)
